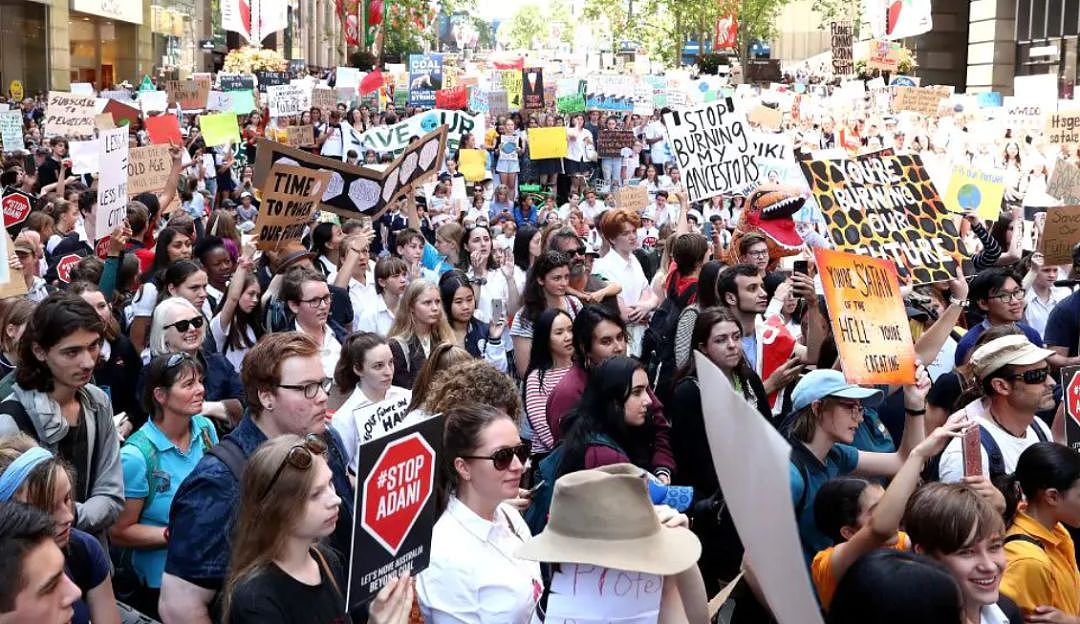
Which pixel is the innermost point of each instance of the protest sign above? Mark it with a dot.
(153, 102)
(148, 169)
(1070, 381)
(478, 100)
(610, 93)
(1064, 182)
(394, 507)
(588, 594)
(69, 115)
(290, 196)
(532, 88)
(16, 206)
(11, 130)
(924, 101)
(1062, 127)
(973, 190)
(395, 138)
(868, 318)
(498, 103)
(843, 62)
(347, 78)
(85, 156)
(15, 89)
(884, 55)
(112, 193)
(122, 114)
(189, 94)
(236, 82)
(219, 128)
(287, 99)
(243, 102)
(766, 117)
(989, 99)
(1025, 112)
(737, 438)
(611, 142)
(885, 206)
(164, 129)
(269, 79)
(324, 99)
(510, 81)
(355, 190)
(712, 147)
(547, 143)
(219, 101)
(425, 78)
(301, 136)
(82, 88)
(454, 98)
(1060, 234)
(472, 163)
(574, 103)
(632, 197)
(11, 285)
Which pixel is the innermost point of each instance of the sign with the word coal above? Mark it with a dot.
(885, 206)
(612, 142)
(395, 507)
(288, 99)
(843, 62)
(69, 115)
(713, 148)
(291, 194)
(868, 318)
(1063, 127)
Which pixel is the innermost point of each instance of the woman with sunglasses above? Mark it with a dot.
(178, 327)
(156, 459)
(473, 575)
(173, 245)
(480, 339)
(280, 572)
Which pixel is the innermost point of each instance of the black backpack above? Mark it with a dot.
(658, 344)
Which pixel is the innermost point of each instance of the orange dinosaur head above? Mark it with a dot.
(769, 210)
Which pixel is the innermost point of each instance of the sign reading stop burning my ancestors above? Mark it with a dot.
(395, 507)
(713, 149)
(290, 196)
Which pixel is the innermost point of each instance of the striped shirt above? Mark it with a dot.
(536, 397)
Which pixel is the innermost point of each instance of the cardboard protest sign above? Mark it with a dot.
(632, 197)
(164, 129)
(153, 102)
(574, 103)
(189, 94)
(1062, 127)
(1061, 234)
(885, 206)
(1064, 182)
(11, 284)
(472, 163)
(355, 190)
(236, 82)
(425, 78)
(219, 128)
(511, 83)
(148, 169)
(924, 101)
(301, 136)
(269, 79)
(11, 130)
(843, 62)
(112, 193)
(712, 147)
(395, 138)
(498, 103)
(1070, 381)
(884, 55)
(739, 437)
(324, 99)
(394, 507)
(69, 115)
(611, 142)
(766, 117)
(290, 196)
(547, 143)
(582, 593)
(868, 318)
(287, 99)
(532, 88)
(973, 190)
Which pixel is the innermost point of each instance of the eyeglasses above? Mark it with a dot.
(1009, 295)
(184, 325)
(854, 408)
(503, 457)
(1033, 377)
(758, 254)
(577, 251)
(317, 302)
(311, 389)
(300, 456)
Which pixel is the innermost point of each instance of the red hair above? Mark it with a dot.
(613, 222)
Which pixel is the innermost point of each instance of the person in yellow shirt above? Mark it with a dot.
(859, 516)
(1041, 574)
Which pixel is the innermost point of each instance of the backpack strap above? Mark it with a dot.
(799, 459)
(204, 426)
(18, 413)
(229, 453)
(993, 453)
(150, 456)
(1039, 432)
(1024, 537)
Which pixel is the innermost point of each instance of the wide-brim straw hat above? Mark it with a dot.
(604, 517)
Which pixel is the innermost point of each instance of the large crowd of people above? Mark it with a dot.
(181, 417)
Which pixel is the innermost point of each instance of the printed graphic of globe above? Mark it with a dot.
(429, 123)
(508, 148)
(969, 197)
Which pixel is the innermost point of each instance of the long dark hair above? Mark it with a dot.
(533, 300)
(521, 246)
(858, 598)
(161, 254)
(601, 412)
(320, 236)
(352, 357)
(159, 374)
(461, 436)
(57, 317)
(1042, 466)
(585, 324)
(175, 275)
(449, 284)
(237, 338)
(464, 260)
(708, 294)
(540, 358)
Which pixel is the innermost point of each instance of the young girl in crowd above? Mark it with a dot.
(495, 279)
(391, 278)
(172, 246)
(480, 339)
(546, 287)
(188, 280)
(237, 326)
(13, 321)
(551, 357)
(419, 326)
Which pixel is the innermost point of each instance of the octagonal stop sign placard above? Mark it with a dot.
(1070, 380)
(394, 508)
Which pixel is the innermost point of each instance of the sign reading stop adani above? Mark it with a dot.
(395, 508)
(1070, 380)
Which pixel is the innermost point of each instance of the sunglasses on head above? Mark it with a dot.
(1033, 377)
(182, 326)
(300, 456)
(503, 457)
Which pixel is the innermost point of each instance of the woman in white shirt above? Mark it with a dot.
(637, 300)
(576, 163)
(376, 406)
(496, 281)
(473, 576)
(238, 324)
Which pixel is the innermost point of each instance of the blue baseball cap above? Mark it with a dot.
(818, 384)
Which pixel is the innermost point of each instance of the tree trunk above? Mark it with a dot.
(744, 42)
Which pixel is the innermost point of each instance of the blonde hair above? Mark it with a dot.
(163, 311)
(39, 488)
(404, 327)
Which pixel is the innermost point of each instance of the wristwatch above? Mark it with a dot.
(958, 302)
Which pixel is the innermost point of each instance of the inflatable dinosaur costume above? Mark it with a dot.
(768, 212)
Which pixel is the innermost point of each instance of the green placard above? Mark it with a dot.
(147, 84)
(570, 103)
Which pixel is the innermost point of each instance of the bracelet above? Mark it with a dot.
(958, 302)
(918, 412)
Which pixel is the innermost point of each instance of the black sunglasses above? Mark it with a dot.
(1033, 377)
(182, 326)
(503, 457)
(300, 456)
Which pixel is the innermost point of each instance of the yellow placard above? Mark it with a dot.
(16, 90)
(868, 318)
(511, 82)
(547, 143)
(220, 128)
(472, 163)
(973, 190)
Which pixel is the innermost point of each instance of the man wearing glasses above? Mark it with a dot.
(997, 295)
(1015, 374)
(286, 389)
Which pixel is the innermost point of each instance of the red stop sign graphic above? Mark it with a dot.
(63, 268)
(400, 484)
(101, 249)
(1072, 397)
(16, 209)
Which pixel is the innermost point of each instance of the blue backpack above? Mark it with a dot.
(536, 516)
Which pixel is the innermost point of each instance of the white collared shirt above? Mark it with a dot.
(629, 273)
(361, 420)
(992, 614)
(474, 576)
(1036, 312)
(330, 350)
(377, 318)
(361, 296)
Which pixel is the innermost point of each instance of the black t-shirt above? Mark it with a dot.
(48, 172)
(273, 596)
(75, 448)
(946, 391)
